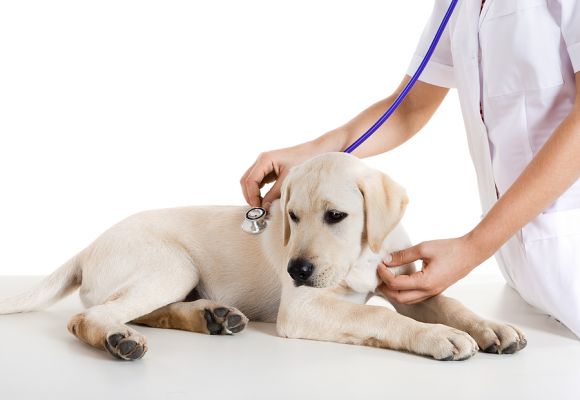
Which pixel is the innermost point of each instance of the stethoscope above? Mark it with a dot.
(255, 220)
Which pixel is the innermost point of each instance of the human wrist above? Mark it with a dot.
(479, 244)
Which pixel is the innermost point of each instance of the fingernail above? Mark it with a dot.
(387, 258)
(267, 205)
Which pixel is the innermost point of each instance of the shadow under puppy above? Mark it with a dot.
(310, 271)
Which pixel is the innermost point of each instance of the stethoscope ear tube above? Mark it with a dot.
(409, 85)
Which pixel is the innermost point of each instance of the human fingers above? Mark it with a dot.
(254, 180)
(405, 296)
(412, 296)
(275, 191)
(405, 256)
(415, 281)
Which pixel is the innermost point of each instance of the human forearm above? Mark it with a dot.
(410, 117)
(551, 172)
(413, 113)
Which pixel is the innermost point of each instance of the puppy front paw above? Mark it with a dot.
(444, 343)
(497, 338)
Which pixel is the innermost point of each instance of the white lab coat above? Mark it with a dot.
(517, 58)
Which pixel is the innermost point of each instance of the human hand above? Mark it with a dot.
(444, 263)
(274, 166)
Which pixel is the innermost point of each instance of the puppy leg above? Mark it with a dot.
(202, 316)
(325, 317)
(103, 326)
(118, 339)
(491, 337)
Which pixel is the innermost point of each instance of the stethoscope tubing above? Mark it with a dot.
(409, 84)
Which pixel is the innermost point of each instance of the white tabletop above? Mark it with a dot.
(39, 359)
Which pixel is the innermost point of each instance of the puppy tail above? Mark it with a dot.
(53, 288)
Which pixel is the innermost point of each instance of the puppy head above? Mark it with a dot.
(333, 207)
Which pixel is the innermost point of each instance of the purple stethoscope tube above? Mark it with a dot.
(409, 85)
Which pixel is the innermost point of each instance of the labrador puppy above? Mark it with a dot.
(311, 271)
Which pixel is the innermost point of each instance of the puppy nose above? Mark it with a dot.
(300, 270)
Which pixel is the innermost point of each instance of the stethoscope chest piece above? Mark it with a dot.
(255, 220)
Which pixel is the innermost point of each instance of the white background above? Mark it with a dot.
(112, 107)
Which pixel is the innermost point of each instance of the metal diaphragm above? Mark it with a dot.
(255, 220)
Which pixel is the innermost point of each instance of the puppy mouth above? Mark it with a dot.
(321, 280)
(307, 284)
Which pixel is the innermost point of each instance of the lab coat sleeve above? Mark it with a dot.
(571, 30)
(439, 70)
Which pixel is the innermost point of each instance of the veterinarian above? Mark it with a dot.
(515, 64)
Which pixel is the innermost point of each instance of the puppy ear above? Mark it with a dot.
(284, 198)
(385, 202)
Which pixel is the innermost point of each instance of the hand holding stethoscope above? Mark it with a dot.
(273, 166)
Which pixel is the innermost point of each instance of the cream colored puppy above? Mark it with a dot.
(311, 271)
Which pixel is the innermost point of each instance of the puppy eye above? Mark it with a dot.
(333, 216)
(293, 216)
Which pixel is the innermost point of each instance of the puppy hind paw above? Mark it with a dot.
(126, 346)
(224, 320)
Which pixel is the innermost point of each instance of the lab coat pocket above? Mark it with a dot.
(551, 225)
(520, 47)
(506, 7)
